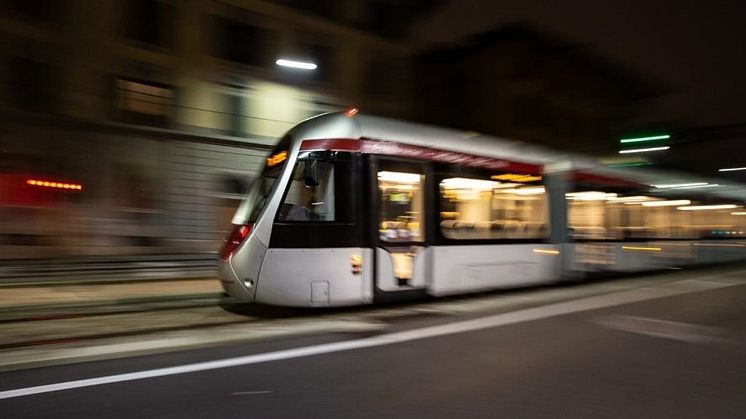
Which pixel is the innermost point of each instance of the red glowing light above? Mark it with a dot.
(234, 240)
(55, 185)
(351, 112)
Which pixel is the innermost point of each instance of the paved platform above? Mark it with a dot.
(28, 296)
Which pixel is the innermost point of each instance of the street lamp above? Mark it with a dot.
(301, 65)
(643, 150)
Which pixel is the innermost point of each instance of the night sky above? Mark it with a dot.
(694, 49)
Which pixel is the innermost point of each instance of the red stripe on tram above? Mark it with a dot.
(390, 148)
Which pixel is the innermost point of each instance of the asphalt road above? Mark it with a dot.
(661, 349)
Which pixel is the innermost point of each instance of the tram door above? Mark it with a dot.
(401, 254)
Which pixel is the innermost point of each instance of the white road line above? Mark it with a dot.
(536, 313)
(666, 329)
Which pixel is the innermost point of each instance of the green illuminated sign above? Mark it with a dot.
(641, 139)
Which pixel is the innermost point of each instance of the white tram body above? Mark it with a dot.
(352, 209)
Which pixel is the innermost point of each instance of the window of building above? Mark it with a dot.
(319, 190)
(140, 101)
(46, 11)
(33, 85)
(149, 22)
(241, 42)
(504, 206)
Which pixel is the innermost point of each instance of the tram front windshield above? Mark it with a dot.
(261, 189)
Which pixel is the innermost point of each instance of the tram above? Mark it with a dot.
(353, 209)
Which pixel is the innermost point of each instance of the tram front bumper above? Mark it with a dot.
(233, 285)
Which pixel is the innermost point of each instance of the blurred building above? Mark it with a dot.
(161, 110)
(520, 82)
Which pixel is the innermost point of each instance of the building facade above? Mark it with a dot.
(162, 110)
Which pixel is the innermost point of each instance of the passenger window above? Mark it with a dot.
(502, 207)
(401, 206)
(327, 201)
(597, 214)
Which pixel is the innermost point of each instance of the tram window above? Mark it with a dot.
(401, 206)
(325, 202)
(668, 218)
(480, 209)
(595, 214)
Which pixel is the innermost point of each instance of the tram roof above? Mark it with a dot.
(388, 129)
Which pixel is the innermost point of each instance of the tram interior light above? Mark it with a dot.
(538, 190)
(398, 177)
(671, 203)
(590, 196)
(464, 183)
(631, 199)
(707, 207)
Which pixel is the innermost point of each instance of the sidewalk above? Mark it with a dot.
(106, 269)
(81, 294)
(62, 323)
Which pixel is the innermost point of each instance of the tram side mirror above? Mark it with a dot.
(311, 173)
